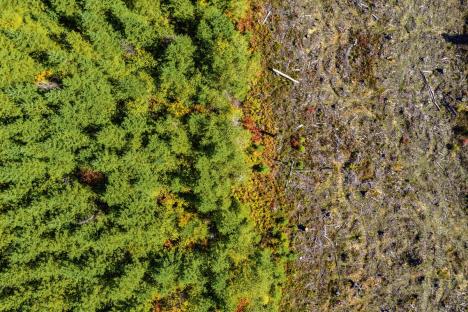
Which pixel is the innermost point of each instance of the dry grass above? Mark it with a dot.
(380, 186)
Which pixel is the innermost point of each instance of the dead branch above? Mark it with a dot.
(449, 107)
(431, 91)
(347, 55)
(290, 172)
(91, 218)
(266, 17)
(284, 75)
(47, 85)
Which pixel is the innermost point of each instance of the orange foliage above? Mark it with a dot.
(250, 125)
(243, 303)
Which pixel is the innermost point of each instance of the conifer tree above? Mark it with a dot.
(115, 190)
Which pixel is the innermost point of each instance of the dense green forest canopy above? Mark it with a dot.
(120, 148)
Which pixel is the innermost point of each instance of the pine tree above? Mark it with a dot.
(115, 187)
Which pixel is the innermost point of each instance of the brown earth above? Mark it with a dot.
(371, 151)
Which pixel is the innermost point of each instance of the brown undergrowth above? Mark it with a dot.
(262, 192)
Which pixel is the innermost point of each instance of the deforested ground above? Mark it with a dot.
(371, 151)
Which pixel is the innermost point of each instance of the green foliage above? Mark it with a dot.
(119, 156)
(182, 10)
(262, 168)
(227, 63)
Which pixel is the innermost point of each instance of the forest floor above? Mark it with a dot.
(370, 151)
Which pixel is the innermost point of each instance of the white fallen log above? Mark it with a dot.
(284, 75)
(266, 17)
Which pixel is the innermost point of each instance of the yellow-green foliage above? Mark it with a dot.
(119, 155)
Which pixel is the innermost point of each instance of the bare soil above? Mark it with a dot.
(372, 152)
